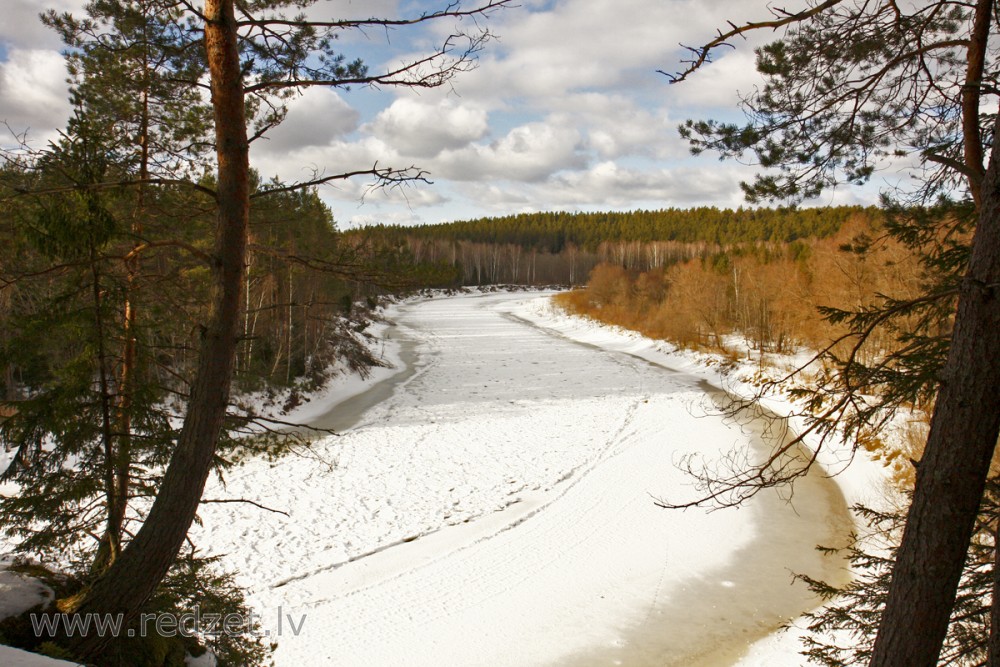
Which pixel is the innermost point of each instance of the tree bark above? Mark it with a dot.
(993, 647)
(134, 576)
(951, 476)
(120, 457)
(108, 545)
(972, 148)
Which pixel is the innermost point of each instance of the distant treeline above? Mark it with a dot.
(769, 295)
(553, 231)
(562, 247)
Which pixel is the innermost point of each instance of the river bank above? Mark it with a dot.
(497, 508)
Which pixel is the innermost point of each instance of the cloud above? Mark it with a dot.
(611, 185)
(365, 189)
(33, 92)
(316, 118)
(608, 185)
(530, 152)
(566, 109)
(616, 126)
(424, 130)
(605, 186)
(498, 198)
(587, 45)
(719, 84)
(353, 9)
(336, 157)
(22, 28)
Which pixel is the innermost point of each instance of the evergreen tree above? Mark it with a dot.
(848, 84)
(254, 63)
(130, 63)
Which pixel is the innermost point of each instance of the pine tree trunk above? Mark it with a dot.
(107, 546)
(135, 575)
(951, 477)
(121, 456)
(993, 647)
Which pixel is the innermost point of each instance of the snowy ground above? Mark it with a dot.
(491, 502)
(858, 477)
(19, 593)
(498, 509)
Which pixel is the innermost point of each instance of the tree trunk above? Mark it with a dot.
(952, 475)
(134, 576)
(993, 647)
(972, 148)
(109, 545)
(121, 456)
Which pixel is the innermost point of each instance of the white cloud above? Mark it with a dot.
(366, 190)
(530, 152)
(595, 44)
(617, 126)
(610, 185)
(496, 197)
(22, 28)
(316, 118)
(335, 157)
(353, 9)
(565, 111)
(423, 130)
(720, 83)
(33, 92)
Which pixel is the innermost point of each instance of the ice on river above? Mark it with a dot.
(498, 509)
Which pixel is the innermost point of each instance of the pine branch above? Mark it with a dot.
(703, 54)
(453, 10)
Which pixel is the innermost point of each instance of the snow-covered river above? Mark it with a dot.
(493, 504)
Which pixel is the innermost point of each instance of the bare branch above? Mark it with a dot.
(244, 500)
(387, 177)
(90, 187)
(703, 54)
(408, 74)
(743, 480)
(453, 10)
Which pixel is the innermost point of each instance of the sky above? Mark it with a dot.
(565, 110)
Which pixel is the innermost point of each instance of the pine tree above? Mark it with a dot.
(254, 63)
(847, 85)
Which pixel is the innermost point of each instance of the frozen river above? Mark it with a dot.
(493, 504)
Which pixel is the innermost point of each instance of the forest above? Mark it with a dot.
(150, 279)
(825, 321)
(101, 308)
(771, 294)
(561, 248)
(552, 231)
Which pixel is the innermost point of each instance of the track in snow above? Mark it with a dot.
(497, 509)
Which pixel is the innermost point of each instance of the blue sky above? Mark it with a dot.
(564, 111)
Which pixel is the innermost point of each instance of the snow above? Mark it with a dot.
(343, 385)
(497, 508)
(860, 478)
(490, 500)
(18, 594)
(15, 657)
